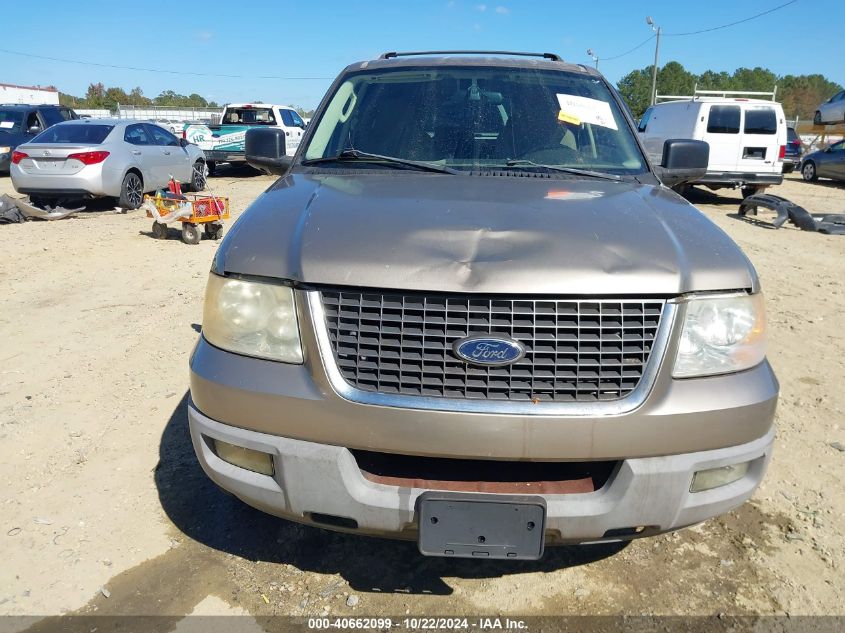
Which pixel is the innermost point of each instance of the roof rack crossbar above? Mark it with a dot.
(552, 56)
(717, 93)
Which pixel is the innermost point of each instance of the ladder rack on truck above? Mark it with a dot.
(725, 94)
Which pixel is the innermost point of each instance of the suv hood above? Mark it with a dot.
(485, 234)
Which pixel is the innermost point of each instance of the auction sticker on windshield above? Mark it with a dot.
(576, 110)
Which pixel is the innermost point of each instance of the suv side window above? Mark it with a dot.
(161, 136)
(297, 120)
(51, 116)
(723, 120)
(32, 120)
(644, 121)
(68, 114)
(136, 135)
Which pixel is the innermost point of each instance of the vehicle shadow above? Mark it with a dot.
(697, 195)
(758, 222)
(206, 514)
(91, 207)
(233, 170)
(823, 182)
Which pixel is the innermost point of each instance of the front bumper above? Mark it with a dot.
(296, 414)
(314, 480)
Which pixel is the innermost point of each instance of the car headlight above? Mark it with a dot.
(251, 318)
(721, 334)
(4, 149)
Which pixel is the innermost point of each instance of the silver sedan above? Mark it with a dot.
(104, 157)
(832, 110)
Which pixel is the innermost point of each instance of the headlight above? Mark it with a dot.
(721, 335)
(5, 149)
(251, 318)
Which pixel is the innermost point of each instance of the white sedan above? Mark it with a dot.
(104, 157)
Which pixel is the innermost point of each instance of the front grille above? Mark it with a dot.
(576, 350)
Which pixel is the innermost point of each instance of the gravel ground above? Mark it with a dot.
(105, 510)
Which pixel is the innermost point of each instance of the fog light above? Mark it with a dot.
(256, 461)
(715, 477)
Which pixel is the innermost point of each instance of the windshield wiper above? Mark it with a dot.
(521, 162)
(351, 155)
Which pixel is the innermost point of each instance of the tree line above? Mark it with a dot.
(799, 94)
(99, 97)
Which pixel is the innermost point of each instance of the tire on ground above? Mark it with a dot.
(190, 234)
(131, 191)
(808, 171)
(198, 177)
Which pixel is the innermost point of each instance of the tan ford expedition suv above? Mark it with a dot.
(471, 313)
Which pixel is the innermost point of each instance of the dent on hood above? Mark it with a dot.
(490, 235)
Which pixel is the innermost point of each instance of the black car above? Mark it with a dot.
(19, 123)
(794, 148)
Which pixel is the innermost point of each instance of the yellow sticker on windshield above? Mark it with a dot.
(568, 118)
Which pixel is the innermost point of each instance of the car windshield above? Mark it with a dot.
(11, 120)
(478, 118)
(82, 133)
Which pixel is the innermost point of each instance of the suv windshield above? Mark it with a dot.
(478, 118)
(11, 120)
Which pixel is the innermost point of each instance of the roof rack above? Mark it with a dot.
(552, 56)
(716, 93)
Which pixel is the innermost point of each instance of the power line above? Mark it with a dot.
(640, 45)
(715, 28)
(158, 70)
(724, 26)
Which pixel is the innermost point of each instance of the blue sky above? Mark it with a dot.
(316, 39)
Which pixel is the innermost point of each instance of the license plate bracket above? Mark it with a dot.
(467, 525)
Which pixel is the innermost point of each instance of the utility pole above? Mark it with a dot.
(594, 56)
(656, 29)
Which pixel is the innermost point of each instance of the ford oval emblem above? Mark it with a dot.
(488, 350)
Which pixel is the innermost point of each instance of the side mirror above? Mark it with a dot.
(34, 130)
(265, 150)
(183, 142)
(684, 160)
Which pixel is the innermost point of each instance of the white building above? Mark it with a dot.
(10, 93)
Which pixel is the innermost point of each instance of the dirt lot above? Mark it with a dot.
(105, 510)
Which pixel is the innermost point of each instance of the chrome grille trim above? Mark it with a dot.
(616, 406)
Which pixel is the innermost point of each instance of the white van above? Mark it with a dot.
(747, 136)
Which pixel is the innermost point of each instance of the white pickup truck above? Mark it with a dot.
(224, 142)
